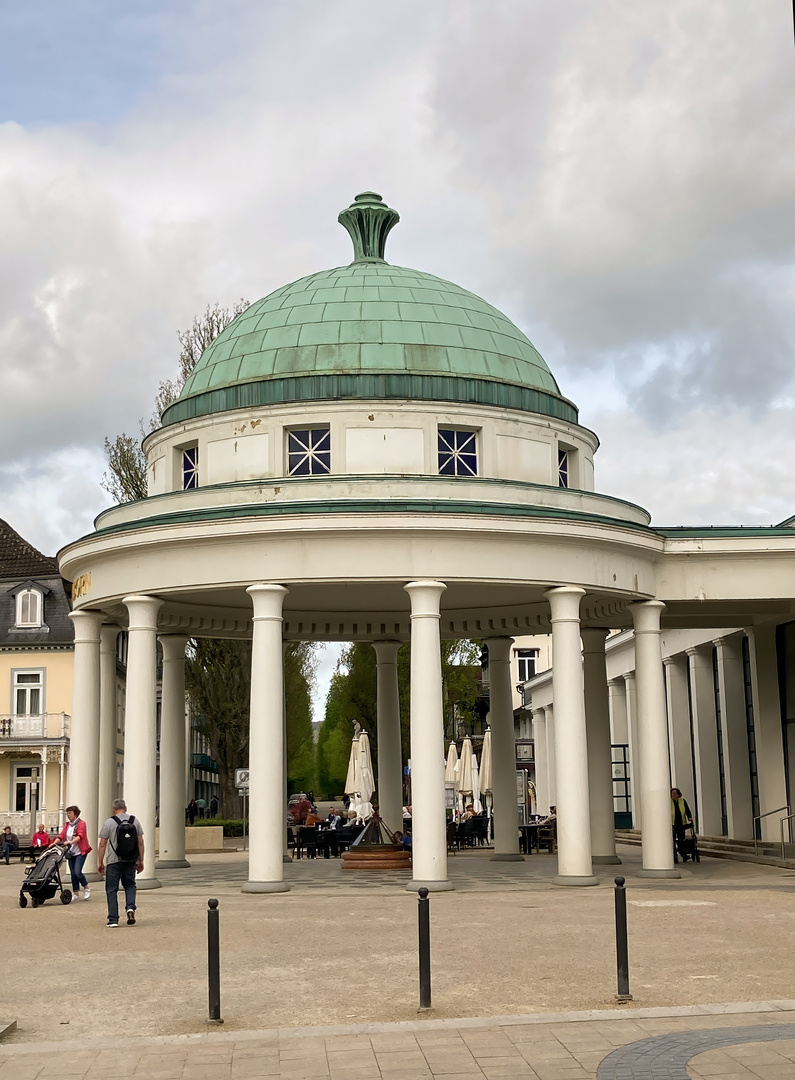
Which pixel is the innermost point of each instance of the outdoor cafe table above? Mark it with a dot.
(528, 835)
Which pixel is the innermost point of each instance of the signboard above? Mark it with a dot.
(241, 778)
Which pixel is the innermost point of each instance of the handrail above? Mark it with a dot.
(788, 808)
(789, 830)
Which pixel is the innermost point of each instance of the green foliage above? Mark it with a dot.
(231, 826)
(299, 675)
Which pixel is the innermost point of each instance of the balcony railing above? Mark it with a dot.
(34, 726)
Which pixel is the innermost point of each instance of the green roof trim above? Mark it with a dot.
(368, 506)
(333, 387)
(707, 532)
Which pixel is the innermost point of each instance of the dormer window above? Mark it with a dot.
(29, 608)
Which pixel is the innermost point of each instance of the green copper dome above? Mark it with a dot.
(370, 330)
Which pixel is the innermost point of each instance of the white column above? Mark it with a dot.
(600, 757)
(266, 749)
(552, 767)
(107, 721)
(172, 753)
(655, 788)
(540, 754)
(503, 751)
(390, 754)
(705, 740)
(768, 732)
(571, 753)
(680, 744)
(737, 774)
(140, 739)
(429, 839)
(618, 712)
(84, 738)
(634, 755)
(62, 788)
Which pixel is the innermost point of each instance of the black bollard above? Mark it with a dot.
(214, 962)
(622, 949)
(425, 950)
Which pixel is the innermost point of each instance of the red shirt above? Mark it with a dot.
(41, 839)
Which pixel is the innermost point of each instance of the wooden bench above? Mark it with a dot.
(24, 851)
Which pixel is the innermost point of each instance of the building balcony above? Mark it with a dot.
(34, 726)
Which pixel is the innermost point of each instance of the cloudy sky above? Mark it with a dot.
(618, 177)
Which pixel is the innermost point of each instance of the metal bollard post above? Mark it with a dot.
(214, 962)
(622, 949)
(425, 950)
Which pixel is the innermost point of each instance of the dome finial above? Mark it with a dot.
(369, 220)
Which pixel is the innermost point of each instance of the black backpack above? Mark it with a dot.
(126, 846)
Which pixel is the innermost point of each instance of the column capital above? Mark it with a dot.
(698, 650)
(628, 677)
(386, 652)
(173, 646)
(86, 626)
(499, 649)
(593, 639)
(142, 611)
(268, 601)
(646, 615)
(425, 598)
(108, 634)
(564, 603)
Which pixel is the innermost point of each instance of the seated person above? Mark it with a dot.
(41, 838)
(312, 818)
(468, 813)
(405, 839)
(333, 820)
(8, 843)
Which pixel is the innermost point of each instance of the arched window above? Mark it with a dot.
(29, 608)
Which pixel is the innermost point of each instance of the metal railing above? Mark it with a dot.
(34, 726)
(788, 821)
(779, 810)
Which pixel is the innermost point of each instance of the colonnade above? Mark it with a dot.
(573, 759)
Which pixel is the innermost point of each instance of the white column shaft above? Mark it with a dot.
(736, 770)
(390, 754)
(634, 754)
(705, 741)
(43, 795)
(429, 841)
(655, 789)
(681, 748)
(768, 731)
(540, 754)
(571, 753)
(503, 750)
(618, 712)
(84, 737)
(552, 766)
(62, 789)
(140, 740)
(266, 754)
(106, 790)
(600, 758)
(172, 753)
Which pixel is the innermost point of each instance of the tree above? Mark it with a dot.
(218, 674)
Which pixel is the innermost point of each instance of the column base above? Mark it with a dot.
(574, 879)
(658, 873)
(265, 886)
(606, 860)
(171, 864)
(148, 883)
(287, 858)
(431, 886)
(507, 856)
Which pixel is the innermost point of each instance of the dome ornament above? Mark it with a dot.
(369, 220)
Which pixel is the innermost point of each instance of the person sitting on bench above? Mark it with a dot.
(10, 843)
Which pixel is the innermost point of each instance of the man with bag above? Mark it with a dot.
(121, 853)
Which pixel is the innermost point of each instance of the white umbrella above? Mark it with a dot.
(477, 805)
(465, 771)
(366, 780)
(352, 780)
(485, 764)
(450, 767)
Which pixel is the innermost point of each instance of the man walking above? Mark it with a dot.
(121, 854)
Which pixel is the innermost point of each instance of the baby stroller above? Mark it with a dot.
(687, 847)
(43, 879)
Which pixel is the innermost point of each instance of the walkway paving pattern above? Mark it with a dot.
(331, 967)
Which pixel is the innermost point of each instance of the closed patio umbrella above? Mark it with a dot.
(486, 779)
(450, 767)
(477, 805)
(465, 772)
(352, 781)
(366, 779)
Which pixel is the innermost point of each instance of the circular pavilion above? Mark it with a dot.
(373, 453)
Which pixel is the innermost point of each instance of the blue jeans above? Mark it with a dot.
(76, 870)
(114, 873)
(6, 849)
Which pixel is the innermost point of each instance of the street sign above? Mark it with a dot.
(241, 778)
